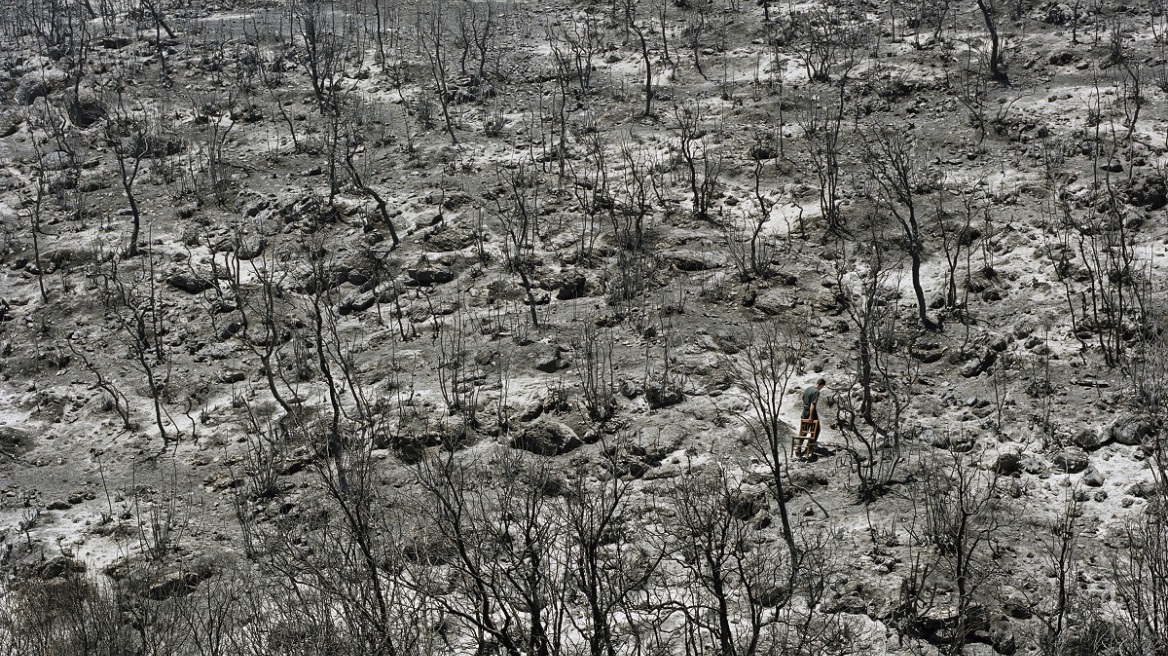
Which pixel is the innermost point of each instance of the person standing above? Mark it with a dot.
(810, 409)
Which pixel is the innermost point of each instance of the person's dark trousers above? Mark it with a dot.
(815, 416)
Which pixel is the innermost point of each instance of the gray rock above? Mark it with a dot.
(354, 303)
(1070, 460)
(546, 437)
(572, 286)
(36, 84)
(1016, 604)
(1093, 478)
(60, 566)
(1113, 166)
(1144, 489)
(548, 360)
(114, 42)
(928, 352)
(269, 226)
(747, 502)
(58, 160)
(663, 393)
(1131, 430)
(1090, 439)
(445, 239)
(250, 247)
(1008, 464)
(630, 389)
(189, 282)
(774, 302)
(976, 366)
(229, 330)
(960, 442)
(10, 123)
(999, 635)
(15, 441)
(430, 276)
(362, 279)
(690, 261)
(173, 584)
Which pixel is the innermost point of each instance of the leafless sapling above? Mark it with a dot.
(964, 517)
(991, 14)
(896, 170)
(518, 210)
(128, 134)
(733, 583)
(763, 372)
(703, 163)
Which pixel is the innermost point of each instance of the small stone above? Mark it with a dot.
(1070, 460)
(1093, 478)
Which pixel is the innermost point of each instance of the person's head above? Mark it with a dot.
(820, 384)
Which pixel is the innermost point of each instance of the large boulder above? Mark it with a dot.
(663, 392)
(445, 239)
(979, 364)
(250, 247)
(37, 84)
(15, 441)
(748, 501)
(1008, 464)
(1070, 460)
(690, 260)
(190, 283)
(1090, 439)
(429, 276)
(358, 302)
(10, 122)
(1131, 429)
(60, 567)
(548, 358)
(175, 583)
(1144, 489)
(546, 437)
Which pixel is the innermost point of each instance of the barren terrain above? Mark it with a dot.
(463, 326)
